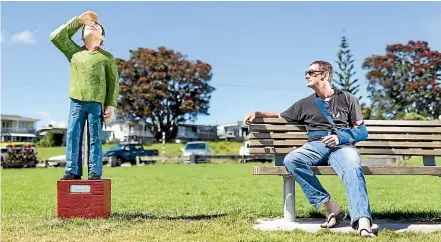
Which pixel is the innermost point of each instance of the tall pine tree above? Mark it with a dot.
(345, 73)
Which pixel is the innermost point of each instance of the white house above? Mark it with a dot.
(126, 131)
(190, 132)
(16, 128)
(232, 131)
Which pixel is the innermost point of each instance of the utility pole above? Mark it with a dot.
(163, 147)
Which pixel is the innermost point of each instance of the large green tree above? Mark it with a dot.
(162, 88)
(404, 83)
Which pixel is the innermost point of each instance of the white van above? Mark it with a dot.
(245, 151)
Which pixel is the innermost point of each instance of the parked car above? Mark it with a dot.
(196, 148)
(245, 151)
(127, 152)
(58, 160)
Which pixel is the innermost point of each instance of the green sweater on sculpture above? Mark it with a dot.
(93, 75)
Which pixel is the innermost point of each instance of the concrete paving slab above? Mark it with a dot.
(313, 225)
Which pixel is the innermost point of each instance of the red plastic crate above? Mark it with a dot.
(84, 198)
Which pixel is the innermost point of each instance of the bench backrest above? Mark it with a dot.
(386, 137)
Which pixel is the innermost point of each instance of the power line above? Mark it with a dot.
(280, 88)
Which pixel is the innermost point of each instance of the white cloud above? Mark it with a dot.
(56, 124)
(45, 114)
(26, 37)
(2, 37)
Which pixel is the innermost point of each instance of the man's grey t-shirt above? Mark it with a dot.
(344, 110)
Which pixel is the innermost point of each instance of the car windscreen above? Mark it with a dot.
(195, 146)
(137, 147)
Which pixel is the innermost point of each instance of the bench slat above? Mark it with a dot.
(373, 129)
(368, 170)
(270, 142)
(426, 137)
(271, 128)
(394, 123)
(416, 152)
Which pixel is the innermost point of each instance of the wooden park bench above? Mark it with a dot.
(387, 138)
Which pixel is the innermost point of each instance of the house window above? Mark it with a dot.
(7, 124)
(22, 125)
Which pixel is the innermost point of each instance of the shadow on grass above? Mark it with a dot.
(138, 216)
(410, 216)
(124, 216)
(402, 216)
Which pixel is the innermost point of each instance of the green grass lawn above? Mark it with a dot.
(208, 202)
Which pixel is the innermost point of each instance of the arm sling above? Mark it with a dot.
(345, 135)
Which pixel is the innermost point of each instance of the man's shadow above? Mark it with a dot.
(390, 220)
(131, 216)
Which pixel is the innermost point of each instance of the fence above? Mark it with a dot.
(197, 158)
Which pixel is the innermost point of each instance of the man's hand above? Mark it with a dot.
(331, 140)
(109, 113)
(88, 16)
(249, 117)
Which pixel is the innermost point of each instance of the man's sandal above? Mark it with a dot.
(334, 220)
(369, 233)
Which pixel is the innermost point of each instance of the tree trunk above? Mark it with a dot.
(170, 132)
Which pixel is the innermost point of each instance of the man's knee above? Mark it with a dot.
(351, 153)
(293, 158)
(351, 165)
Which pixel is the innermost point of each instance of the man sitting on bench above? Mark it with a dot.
(335, 123)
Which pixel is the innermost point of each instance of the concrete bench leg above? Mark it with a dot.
(289, 203)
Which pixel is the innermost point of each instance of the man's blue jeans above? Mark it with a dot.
(79, 113)
(345, 160)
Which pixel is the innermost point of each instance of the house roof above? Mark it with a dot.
(238, 123)
(196, 125)
(16, 117)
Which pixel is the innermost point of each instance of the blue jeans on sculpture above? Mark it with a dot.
(345, 160)
(79, 113)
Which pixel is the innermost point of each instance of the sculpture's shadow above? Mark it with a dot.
(143, 216)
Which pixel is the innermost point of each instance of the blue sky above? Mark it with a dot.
(258, 50)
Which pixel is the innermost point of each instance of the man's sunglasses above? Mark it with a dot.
(310, 72)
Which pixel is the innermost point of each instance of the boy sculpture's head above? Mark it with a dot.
(93, 31)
